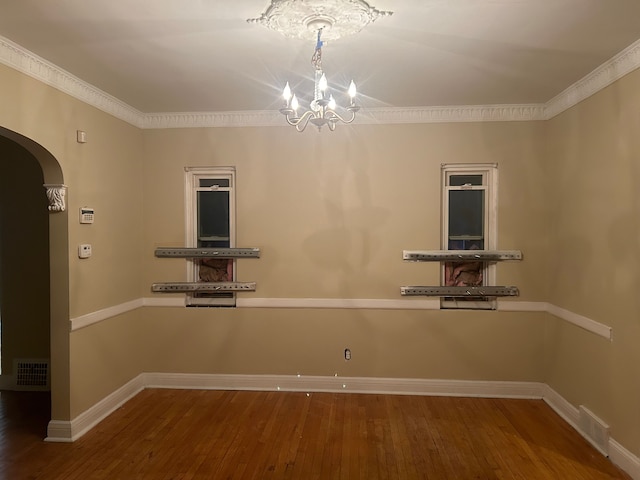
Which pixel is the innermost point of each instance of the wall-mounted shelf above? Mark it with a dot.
(459, 291)
(190, 287)
(165, 252)
(460, 255)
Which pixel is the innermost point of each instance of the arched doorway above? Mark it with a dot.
(17, 148)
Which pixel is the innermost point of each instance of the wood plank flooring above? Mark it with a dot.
(183, 434)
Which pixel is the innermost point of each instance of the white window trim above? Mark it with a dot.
(490, 173)
(192, 178)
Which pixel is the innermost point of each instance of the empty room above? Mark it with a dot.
(320, 239)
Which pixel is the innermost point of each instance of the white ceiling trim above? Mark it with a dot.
(614, 69)
(18, 58)
(21, 59)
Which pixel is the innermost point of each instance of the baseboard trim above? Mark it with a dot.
(70, 431)
(59, 431)
(619, 455)
(569, 413)
(624, 459)
(336, 384)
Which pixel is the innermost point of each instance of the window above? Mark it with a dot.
(210, 223)
(469, 223)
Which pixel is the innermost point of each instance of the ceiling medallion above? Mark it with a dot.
(303, 18)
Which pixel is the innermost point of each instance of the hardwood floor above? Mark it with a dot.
(184, 434)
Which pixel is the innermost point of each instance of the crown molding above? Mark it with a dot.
(453, 114)
(256, 118)
(372, 116)
(21, 59)
(614, 69)
(28, 63)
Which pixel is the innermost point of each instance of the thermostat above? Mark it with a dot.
(84, 251)
(86, 215)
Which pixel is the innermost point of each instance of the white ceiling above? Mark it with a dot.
(202, 55)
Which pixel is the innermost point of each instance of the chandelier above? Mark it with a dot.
(312, 18)
(322, 110)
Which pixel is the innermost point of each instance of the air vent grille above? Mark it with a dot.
(594, 429)
(31, 374)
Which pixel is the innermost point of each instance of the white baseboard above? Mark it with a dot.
(570, 414)
(624, 459)
(619, 455)
(304, 383)
(60, 431)
(69, 431)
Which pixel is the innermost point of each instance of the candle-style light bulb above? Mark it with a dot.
(332, 103)
(352, 91)
(286, 93)
(294, 102)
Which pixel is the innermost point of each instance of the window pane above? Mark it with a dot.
(466, 214)
(213, 219)
(210, 182)
(459, 180)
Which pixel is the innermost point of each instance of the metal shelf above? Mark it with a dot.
(187, 252)
(460, 255)
(182, 287)
(459, 291)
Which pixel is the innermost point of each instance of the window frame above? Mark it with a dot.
(193, 176)
(489, 173)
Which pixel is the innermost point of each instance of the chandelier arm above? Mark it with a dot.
(331, 114)
(300, 122)
(321, 109)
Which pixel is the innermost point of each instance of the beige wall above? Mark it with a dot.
(594, 170)
(332, 213)
(384, 344)
(103, 173)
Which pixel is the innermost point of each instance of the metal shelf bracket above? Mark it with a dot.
(460, 255)
(434, 291)
(186, 252)
(190, 287)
